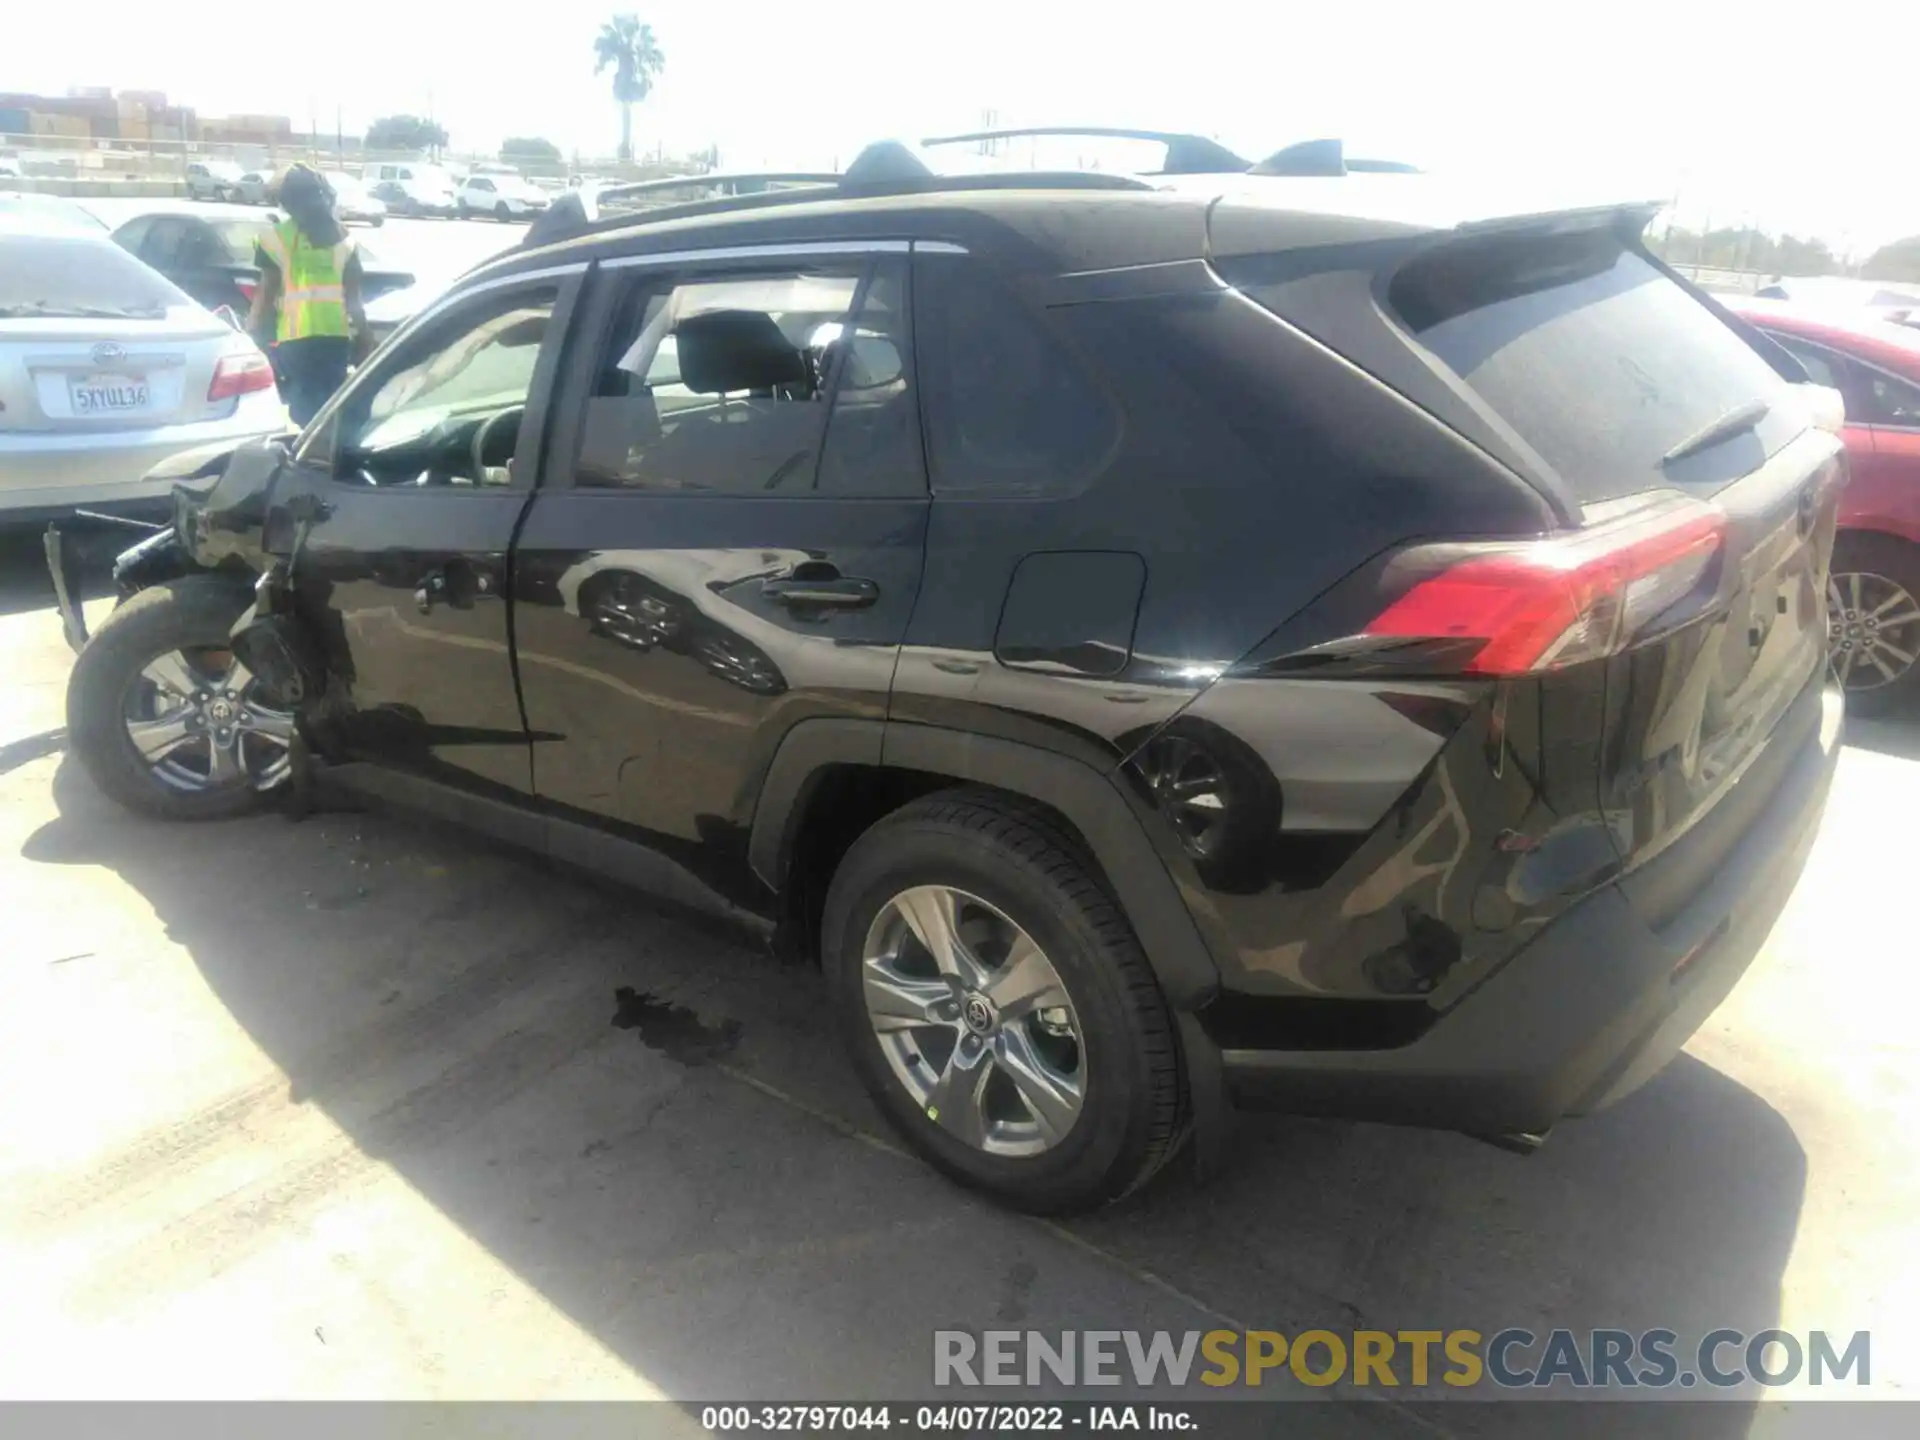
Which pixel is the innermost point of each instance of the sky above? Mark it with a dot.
(1807, 128)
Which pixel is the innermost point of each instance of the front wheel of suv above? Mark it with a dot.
(165, 719)
(998, 1007)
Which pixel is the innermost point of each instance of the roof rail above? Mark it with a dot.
(884, 168)
(1186, 154)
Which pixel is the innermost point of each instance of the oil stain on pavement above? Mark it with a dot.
(674, 1030)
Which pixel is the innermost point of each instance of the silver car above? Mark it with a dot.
(106, 369)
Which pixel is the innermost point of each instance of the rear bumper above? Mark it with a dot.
(44, 476)
(1590, 1010)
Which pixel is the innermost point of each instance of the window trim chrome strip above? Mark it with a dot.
(758, 252)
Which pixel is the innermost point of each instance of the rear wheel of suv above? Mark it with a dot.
(1873, 621)
(998, 1006)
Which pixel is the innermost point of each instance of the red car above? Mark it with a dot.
(1874, 597)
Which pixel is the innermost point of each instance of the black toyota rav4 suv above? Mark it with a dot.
(1159, 644)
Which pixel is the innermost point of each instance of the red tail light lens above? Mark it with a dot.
(1512, 609)
(240, 375)
(246, 288)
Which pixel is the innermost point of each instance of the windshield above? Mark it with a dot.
(79, 275)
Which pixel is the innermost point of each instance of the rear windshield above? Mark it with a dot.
(1600, 362)
(79, 275)
(239, 238)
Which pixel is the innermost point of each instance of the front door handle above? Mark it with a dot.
(840, 592)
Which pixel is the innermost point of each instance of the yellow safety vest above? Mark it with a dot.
(313, 296)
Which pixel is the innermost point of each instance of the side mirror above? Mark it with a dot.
(876, 362)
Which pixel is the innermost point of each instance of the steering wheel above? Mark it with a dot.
(479, 447)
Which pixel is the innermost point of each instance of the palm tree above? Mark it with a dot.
(629, 47)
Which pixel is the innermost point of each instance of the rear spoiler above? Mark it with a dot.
(1326, 157)
(762, 179)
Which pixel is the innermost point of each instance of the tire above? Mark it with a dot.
(1874, 571)
(192, 615)
(501, 212)
(1002, 857)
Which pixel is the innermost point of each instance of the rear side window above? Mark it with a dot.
(1010, 409)
(718, 383)
(1887, 400)
(79, 276)
(1594, 357)
(1822, 365)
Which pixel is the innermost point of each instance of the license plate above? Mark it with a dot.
(110, 394)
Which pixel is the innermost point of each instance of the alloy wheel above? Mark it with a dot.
(1189, 785)
(1873, 629)
(194, 719)
(975, 1021)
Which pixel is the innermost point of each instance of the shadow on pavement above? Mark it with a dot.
(24, 583)
(453, 1010)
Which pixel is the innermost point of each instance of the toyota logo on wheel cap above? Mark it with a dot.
(107, 351)
(978, 1015)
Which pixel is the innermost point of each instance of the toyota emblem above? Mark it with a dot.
(108, 352)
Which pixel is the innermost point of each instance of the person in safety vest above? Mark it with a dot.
(308, 302)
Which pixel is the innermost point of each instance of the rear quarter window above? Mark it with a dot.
(1598, 360)
(1011, 409)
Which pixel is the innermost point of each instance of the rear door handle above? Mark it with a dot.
(841, 592)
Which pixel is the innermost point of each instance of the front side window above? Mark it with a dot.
(445, 410)
(718, 383)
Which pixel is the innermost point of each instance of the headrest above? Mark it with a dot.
(725, 350)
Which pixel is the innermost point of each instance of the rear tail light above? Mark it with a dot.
(1520, 608)
(240, 374)
(246, 289)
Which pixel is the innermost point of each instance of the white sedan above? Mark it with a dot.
(505, 197)
(107, 369)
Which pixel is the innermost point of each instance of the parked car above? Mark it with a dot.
(209, 253)
(1873, 596)
(353, 202)
(255, 187)
(213, 180)
(106, 369)
(407, 188)
(1153, 650)
(504, 197)
(1838, 292)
